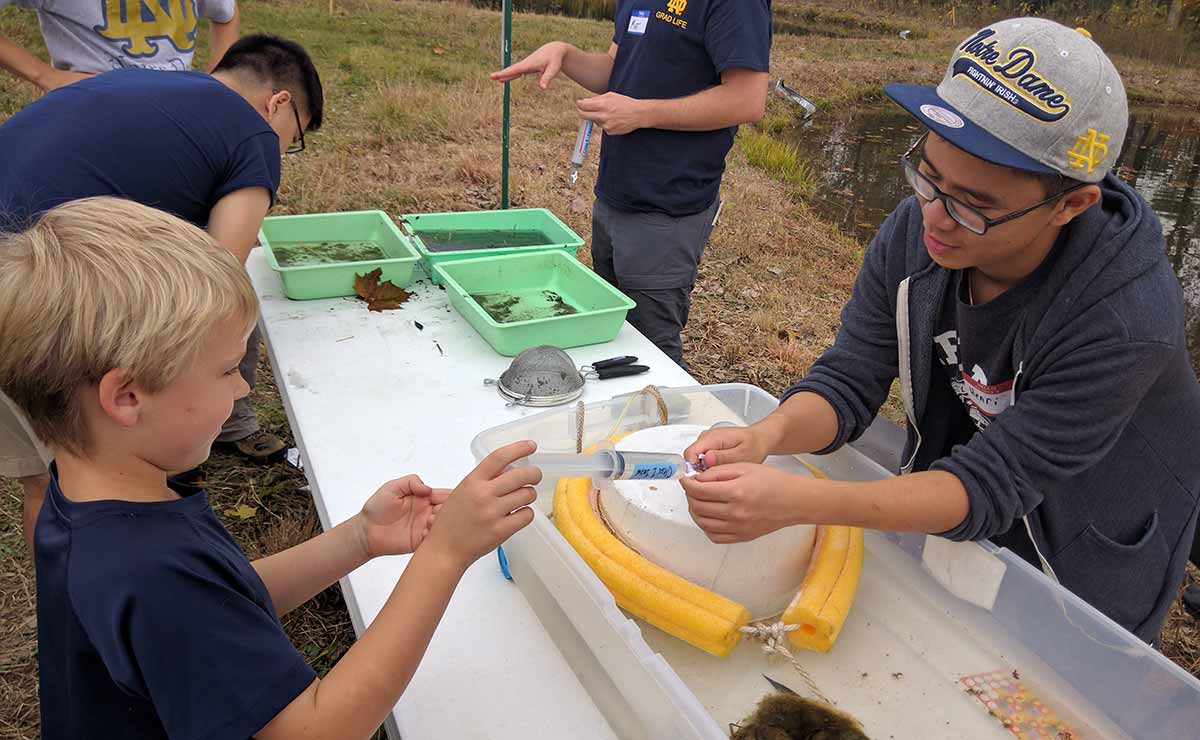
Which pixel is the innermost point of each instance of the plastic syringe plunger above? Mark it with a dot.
(611, 465)
(579, 153)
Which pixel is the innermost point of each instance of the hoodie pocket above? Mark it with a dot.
(1123, 581)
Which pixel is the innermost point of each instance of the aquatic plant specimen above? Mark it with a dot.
(299, 254)
(782, 716)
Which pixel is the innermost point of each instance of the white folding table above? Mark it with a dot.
(371, 397)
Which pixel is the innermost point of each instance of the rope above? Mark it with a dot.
(650, 390)
(579, 427)
(663, 415)
(774, 642)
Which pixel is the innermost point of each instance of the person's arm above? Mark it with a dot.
(744, 501)
(236, 218)
(591, 70)
(393, 521)
(740, 98)
(223, 37)
(299, 573)
(21, 63)
(1068, 417)
(839, 398)
(1065, 418)
(805, 422)
(357, 694)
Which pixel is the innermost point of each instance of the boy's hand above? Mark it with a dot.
(397, 518)
(727, 445)
(488, 506)
(546, 61)
(744, 501)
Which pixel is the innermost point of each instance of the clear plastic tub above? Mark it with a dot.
(913, 661)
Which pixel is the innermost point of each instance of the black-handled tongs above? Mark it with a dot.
(613, 367)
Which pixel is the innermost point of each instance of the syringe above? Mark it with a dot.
(611, 465)
(582, 139)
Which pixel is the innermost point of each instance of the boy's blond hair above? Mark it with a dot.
(105, 283)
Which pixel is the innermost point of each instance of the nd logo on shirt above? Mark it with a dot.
(675, 9)
(139, 24)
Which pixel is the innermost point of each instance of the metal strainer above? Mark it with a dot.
(547, 376)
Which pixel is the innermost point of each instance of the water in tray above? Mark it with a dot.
(300, 254)
(460, 240)
(510, 307)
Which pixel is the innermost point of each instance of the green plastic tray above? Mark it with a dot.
(560, 235)
(303, 282)
(601, 307)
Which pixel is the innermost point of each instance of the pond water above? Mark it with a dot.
(858, 158)
(462, 240)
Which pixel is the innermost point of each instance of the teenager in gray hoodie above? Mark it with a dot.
(1023, 299)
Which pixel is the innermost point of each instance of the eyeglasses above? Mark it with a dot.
(296, 146)
(968, 217)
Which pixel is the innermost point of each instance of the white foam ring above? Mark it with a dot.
(652, 518)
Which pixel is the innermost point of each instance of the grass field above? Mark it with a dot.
(412, 124)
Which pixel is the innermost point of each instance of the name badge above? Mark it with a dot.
(638, 21)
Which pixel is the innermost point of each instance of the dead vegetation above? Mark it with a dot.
(413, 126)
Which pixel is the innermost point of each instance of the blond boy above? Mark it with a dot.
(121, 330)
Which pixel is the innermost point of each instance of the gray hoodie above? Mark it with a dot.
(1100, 452)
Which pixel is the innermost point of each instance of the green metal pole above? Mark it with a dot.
(505, 60)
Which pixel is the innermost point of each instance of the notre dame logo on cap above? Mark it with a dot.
(1090, 150)
(1011, 76)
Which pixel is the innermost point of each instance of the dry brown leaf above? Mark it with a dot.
(242, 512)
(439, 50)
(383, 296)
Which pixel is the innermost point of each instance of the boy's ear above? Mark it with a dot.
(119, 397)
(1074, 203)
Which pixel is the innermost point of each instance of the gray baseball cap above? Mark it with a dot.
(1031, 94)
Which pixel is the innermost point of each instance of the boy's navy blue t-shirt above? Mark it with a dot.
(672, 49)
(152, 624)
(176, 141)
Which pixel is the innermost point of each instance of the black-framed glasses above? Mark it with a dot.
(296, 146)
(968, 217)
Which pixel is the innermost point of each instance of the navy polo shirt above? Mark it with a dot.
(672, 49)
(153, 625)
(175, 141)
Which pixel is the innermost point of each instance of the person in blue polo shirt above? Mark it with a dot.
(678, 79)
(204, 148)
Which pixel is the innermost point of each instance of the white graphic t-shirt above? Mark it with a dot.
(100, 35)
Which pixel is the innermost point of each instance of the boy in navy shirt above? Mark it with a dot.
(121, 330)
(678, 79)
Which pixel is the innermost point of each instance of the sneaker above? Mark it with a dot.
(261, 447)
(1191, 600)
